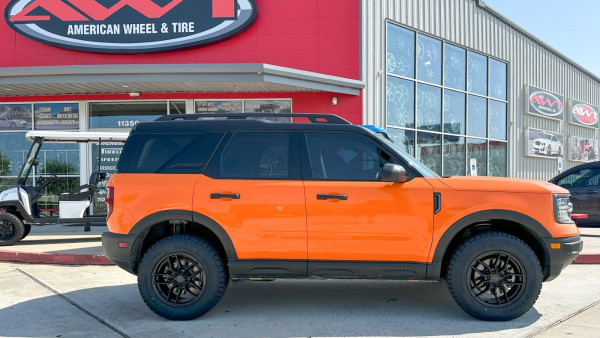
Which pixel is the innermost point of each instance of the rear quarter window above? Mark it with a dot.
(173, 153)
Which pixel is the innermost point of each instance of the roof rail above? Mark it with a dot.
(313, 118)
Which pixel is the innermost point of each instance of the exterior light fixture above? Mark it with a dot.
(334, 101)
(134, 94)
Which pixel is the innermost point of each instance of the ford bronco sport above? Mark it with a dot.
(197, 202)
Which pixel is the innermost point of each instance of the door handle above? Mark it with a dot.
(341, 197)
(217, 196)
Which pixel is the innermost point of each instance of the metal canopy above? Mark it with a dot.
(162, 78)
(74, 137)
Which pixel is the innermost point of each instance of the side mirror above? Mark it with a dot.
(394, 173)
(36, 162)
(101, 176)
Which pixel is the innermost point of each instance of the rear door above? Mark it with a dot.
(253, 189)
(358, 225)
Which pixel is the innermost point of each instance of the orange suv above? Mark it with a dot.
(197, 202)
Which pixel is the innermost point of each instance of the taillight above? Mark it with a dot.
(109, 200)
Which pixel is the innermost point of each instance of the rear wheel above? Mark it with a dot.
(494, 276)
(11, 229)
(182, 277)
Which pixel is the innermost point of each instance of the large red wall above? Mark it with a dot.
(314, 35)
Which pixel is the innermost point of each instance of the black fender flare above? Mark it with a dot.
(27, 219)
(142, 226)
(532, 225)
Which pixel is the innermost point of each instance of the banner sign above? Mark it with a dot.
(130, 26)
(15, 117)
(56, 116)
(584, 114)
(219, 106)
(546, 104)
(544, 143)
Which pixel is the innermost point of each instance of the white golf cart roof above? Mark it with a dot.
(73, 137)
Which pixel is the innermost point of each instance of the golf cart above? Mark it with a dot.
(19, 205)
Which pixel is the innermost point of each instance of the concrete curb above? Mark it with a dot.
(53, 258)
(89, 259)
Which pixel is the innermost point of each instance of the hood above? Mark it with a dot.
(501, 184)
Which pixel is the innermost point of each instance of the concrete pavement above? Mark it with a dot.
(103, 301)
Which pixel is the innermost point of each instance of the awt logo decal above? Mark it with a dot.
(546, 103)
(585, 114)
(130, 26)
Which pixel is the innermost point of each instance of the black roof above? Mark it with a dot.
(193, 123)
(569, 171)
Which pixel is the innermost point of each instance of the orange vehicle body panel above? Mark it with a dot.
(140, 195)
(268, 221)
(378, 222)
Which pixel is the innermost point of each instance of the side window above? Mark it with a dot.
(345, 157)
(257, 155)
(173, 153)
(581, 178)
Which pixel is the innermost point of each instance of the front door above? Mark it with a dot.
(352, 216)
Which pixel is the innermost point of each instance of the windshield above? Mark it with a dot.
(413, 162)
(545, 136)
(31, 156)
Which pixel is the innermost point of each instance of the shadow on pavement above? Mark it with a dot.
(282, 308)
(31, 241)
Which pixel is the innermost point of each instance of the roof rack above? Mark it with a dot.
(313, 118)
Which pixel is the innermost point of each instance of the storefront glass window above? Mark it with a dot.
(477, 149)
(429, 59)
(446, 113)
(497, 158)
(56, 116)
(15, 117)
(429, 151)
(176, 107)
(477, 116)
(400, 57)
(497, 123)
(454, 112)
(497, 79)
(403, 137)
(400, 95)
(454, 67)
(124, 114)
(477, 77)
(429, 107)
(454, 155)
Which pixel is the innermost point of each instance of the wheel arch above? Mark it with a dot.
(514, 223)
(159, 225)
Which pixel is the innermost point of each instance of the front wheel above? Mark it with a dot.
(182, 277)
(494, 276)
(11, 229)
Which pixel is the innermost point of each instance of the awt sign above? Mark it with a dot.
(546, 104)
(130, 26)
(584, 114)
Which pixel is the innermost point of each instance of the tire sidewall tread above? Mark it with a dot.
(18, 225)
(206, 254)
(479, 244)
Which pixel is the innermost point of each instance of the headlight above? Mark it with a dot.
(562, 209)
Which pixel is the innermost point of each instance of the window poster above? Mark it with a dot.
(15, 116)
(583, 149)
(56, 116)
(213, 106)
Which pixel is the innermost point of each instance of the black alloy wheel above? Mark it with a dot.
(179, 279)
(11, 229)
(182, 277)
(494, 276)
(496, 279)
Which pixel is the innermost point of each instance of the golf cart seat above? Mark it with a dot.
(74, 203)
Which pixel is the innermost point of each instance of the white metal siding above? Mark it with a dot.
(464, 23)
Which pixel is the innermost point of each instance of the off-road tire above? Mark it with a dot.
(26, 231)
(11, 229)
(172, 261)
(514, 299)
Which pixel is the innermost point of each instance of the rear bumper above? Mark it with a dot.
(560, 258)
(116, 253)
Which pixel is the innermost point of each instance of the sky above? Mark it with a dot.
(571, 27)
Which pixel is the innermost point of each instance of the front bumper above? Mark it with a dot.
(560, 258)
(119, 255)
